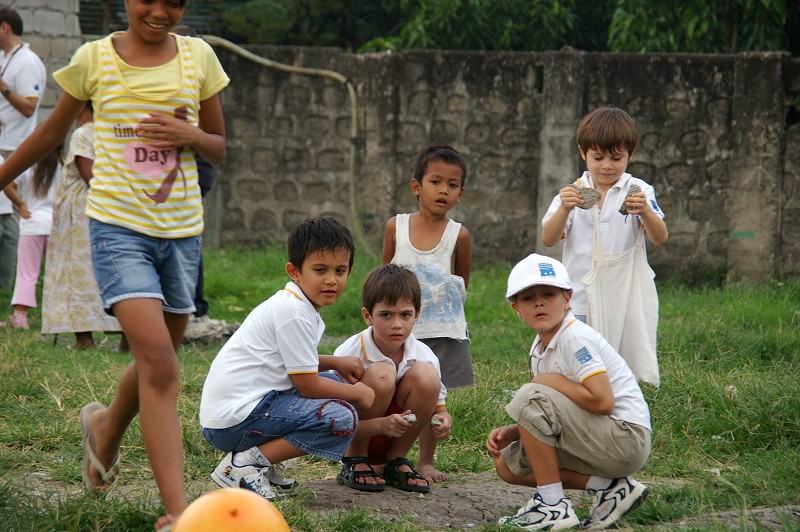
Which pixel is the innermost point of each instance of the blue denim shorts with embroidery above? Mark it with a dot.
(321, 427)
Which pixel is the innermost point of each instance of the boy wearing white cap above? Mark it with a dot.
(581, 423)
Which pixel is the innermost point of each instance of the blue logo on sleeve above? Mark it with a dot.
(655, 205)
(583, 355)
(546, 269)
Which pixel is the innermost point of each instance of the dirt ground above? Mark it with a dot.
(466, 501)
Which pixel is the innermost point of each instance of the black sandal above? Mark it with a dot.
(399, 479)
(349, 476)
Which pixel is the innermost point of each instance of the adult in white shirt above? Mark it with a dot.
(22, 82)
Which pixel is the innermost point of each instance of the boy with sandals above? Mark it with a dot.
(268, 396)
(581, 423)
(405, 374)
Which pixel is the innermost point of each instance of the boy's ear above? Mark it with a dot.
(516, 308)
(583, 153)
(292, 271)
(415, 186)
(630, 157)
(366, 315)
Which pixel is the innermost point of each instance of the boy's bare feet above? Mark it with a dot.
(431, 474)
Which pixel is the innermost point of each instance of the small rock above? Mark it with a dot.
(633, 189)
(411, 418)
(436, 421)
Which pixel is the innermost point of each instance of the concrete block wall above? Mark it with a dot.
(53, 31)
(713, 140)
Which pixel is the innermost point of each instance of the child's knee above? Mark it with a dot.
(424, 378)
(381, 377)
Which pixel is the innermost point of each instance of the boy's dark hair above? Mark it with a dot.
(318, 234)
(443, 153)
(8, 14)
(607, 129)
(390, 283)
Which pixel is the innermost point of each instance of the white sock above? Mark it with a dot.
(551, 494)
(598, 483)
(251, 456)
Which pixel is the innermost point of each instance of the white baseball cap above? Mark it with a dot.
(536, 270)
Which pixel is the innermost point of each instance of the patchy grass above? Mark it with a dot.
(726, 418)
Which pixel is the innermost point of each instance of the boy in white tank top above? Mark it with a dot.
(437, 250)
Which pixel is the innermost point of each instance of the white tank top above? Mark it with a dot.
(443, 294)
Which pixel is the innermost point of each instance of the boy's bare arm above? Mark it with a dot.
(553, 228)
(388, 240)
(654, 225)
(594, 394)
(463, 256)
(312, 386)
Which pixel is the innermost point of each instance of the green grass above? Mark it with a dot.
(726, 418)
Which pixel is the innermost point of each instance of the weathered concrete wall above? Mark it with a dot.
(713, 141)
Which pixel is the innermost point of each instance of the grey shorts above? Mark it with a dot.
(455, 361)
(585, 442)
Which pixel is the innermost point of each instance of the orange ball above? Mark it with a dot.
(231, 510)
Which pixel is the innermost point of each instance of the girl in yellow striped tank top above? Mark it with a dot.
(155, 96)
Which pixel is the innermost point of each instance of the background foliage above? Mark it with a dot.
(698, 26)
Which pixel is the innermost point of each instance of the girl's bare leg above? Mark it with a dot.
(150, 386)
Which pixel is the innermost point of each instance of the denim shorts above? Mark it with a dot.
(130, 265)
(321, 427)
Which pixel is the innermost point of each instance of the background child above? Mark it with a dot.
(581, 423)
(70, 296)
(266, 398)
(37, 189)
(406, 378)
(154, 93)
(627, 314)
(437, 250)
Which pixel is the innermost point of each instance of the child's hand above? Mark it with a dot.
(637, 204)
(441, 430)
(366, 396)
(394, 425)
(24, 212)
(570, 197)
(500, 438)
(350, 368)
(166, 131)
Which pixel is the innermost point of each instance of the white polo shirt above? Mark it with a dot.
(578, 352)
(278, 338)
(362, 345)
(617, 232)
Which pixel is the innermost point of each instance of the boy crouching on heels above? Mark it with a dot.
(405, 375)
(581, 423)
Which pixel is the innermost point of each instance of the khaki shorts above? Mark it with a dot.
(585, 442)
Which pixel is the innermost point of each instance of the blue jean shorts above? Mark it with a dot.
(130, 265)
(321, 427)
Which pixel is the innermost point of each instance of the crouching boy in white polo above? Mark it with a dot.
(581, 423)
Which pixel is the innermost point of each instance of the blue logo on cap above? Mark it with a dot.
(546, 269)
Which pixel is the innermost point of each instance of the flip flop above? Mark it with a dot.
(107, 478)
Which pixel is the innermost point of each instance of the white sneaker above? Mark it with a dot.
(284, 487)
(611, 504)
(251, 477)
(536, 515)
